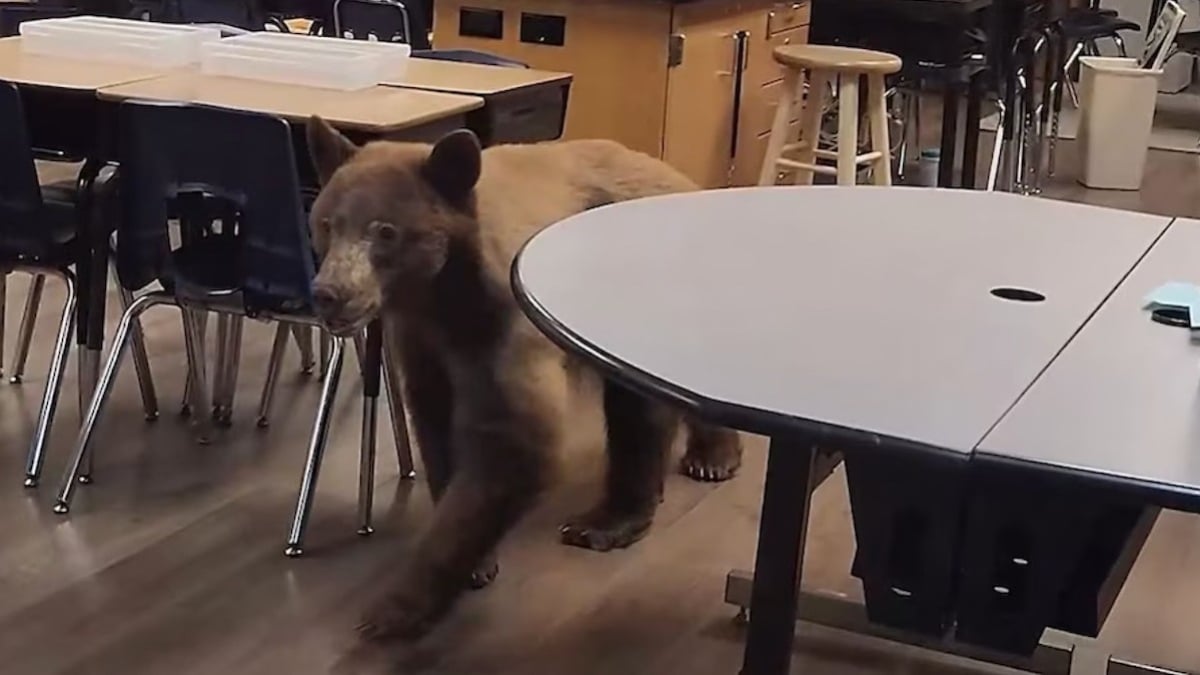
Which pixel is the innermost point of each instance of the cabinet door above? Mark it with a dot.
(703, 92)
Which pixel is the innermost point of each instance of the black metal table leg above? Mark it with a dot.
(779, 559)
(949, 135)
(971, 133)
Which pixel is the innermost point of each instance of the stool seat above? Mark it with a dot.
(831, 57)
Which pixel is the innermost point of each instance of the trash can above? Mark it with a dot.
(1116, 101)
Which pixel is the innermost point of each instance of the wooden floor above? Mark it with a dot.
(172, 562)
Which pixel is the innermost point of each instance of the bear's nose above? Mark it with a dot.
(326, 301)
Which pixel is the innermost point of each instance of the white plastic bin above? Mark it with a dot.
(1116, 100)
(325, 69)
(91, 38)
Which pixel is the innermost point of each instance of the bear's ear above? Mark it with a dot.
(454, 165)
(327, 148)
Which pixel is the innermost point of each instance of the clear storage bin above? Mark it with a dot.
(326, 69)
(116, 40)
(395, 55)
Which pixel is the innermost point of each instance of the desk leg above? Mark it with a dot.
(85, 271)
(949, 136)
(96, 199)
(971, 133)
(779, 560)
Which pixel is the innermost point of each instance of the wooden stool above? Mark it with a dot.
(841, 67)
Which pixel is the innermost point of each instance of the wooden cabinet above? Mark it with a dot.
(689, 82)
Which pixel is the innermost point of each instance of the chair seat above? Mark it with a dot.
(1090, 26)
(57, 231)
(830, 57)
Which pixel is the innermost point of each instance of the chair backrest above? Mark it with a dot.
(469, 56)
(21, 230)
(244, 14)
(382, 20)
(12, 16)
(244, 158)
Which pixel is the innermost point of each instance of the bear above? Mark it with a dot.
(423, 236)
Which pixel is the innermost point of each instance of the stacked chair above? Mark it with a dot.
(264, 234)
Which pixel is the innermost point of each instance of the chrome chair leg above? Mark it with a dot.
(229, 342)
(193, 338)
(1120, 42)
(141, 361)
(58, 366)
(278, 349)
(323, 366)
(185, 406)
(33, 302)
(366, 454)
(98, 400)
(997, 146)
(233, 367)
(303, 335)
(220, 367)
(316, 451)
(1076, 52)
(395, 402)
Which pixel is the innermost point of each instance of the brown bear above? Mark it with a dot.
(424, 236)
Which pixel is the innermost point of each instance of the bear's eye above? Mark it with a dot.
(386, 232)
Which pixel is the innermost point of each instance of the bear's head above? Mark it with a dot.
(384, 222)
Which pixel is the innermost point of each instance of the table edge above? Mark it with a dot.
(732, 415)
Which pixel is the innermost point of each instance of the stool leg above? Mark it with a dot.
(779, 129)
(810, 124)
(847, 141)
(877, 95)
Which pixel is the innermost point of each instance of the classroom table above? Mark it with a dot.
(819, 316)
(520, 105)
(70, 106)
(1081, 465)
(378, 111)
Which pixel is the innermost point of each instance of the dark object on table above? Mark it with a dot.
(13, 15)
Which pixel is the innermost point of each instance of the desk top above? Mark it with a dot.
(49, 71)
(852, 315)
(474, 79)
(1122, 402)
(378, 109)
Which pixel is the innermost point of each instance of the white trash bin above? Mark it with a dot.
(1116, 112)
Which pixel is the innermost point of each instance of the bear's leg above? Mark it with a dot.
(430, 401)
(505, 430)
(640, 433)
(713, 453)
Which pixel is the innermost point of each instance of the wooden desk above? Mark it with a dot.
(520, 105)
(75, 74)
(377, 111)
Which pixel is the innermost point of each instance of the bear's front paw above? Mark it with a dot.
(403, 615)
(603, 530)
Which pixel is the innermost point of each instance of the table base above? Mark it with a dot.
(1059, 654)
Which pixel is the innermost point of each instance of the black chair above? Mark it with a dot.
(38, 235)
(246, 15)
(382, 20)
(12, 15)
(259, 265)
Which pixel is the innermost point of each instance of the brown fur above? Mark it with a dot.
(424, 237)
